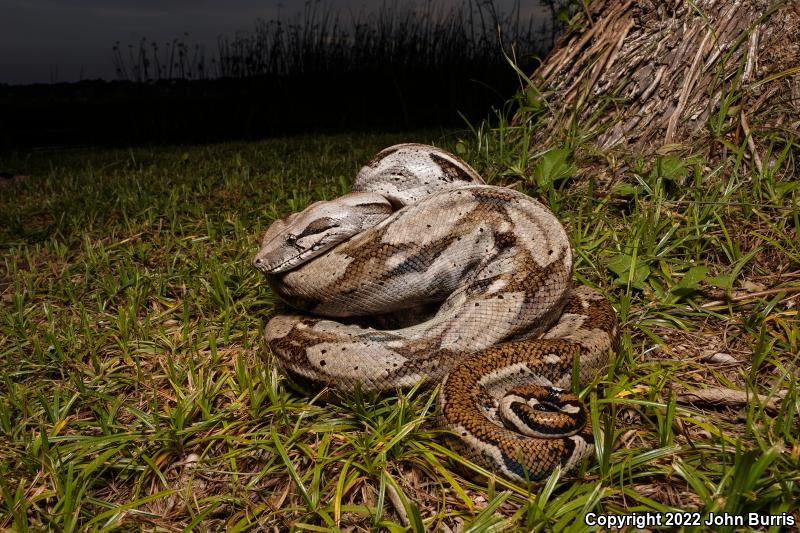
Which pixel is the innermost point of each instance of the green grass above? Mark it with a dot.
(137, 391)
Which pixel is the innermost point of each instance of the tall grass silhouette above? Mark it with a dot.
(321, 40)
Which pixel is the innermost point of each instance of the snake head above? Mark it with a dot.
(299, 237)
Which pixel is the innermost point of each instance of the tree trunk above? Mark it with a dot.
(652, 73)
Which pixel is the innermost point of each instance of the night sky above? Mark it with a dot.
(42, 41)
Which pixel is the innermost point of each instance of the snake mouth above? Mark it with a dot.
(278, 268)
(292, 262)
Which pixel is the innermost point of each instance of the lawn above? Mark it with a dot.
(137, 391)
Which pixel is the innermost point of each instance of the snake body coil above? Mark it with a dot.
(439, 277)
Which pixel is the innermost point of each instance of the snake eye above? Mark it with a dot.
(546, 407)
(291, 239)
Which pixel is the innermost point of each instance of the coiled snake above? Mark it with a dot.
(436, 276)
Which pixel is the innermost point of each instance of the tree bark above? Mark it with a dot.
(651, 73)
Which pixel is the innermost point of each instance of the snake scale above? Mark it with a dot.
(425, 273)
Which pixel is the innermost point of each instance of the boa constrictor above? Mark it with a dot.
(436, 276)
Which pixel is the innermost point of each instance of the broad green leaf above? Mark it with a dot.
(553, 166)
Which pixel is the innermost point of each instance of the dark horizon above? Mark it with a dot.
(397, 70)
(43, 41)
